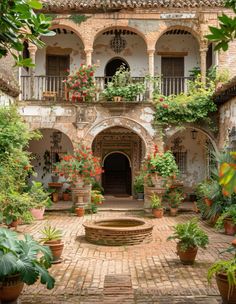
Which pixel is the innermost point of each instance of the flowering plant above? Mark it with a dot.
(81, 83)
(161, 163)
(81, 163)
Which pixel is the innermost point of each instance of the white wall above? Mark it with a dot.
(178, 43)
(69, 41)
(38, 148)
(6, 100)
(135, 54)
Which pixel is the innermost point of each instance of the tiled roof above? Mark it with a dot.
(83, 5)
(8, 83)
(226, 92)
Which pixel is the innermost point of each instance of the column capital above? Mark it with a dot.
(32, 48)
(203, 50)
(151, 51)
(88, 51)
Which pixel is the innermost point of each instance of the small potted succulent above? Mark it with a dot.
(52, 238)
(156, 205)
(228, 220)
(22, 261)
(189, 236)
(225, 275)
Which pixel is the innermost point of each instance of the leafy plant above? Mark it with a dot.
(39, 196)
(189, 235)
(229, 212)
(174, 198)
(156, 202)
(139, 183)
(22, 257)
(50, 233)
(96, 197)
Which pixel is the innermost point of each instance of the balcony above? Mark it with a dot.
(41, 88)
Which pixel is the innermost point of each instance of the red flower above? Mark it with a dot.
(161, 99)
(165, 106)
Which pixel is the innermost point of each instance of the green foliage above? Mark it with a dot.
(97, 186)
(229, 213)
(224, 267)
(227, 175)
(39, 196)
(20, 22)
(139, 183)
(22, 257)
(76, 18)
(156, 202)
(50, 233)
(122, 85)
(174, 197)
(189, 235)
(189, 107)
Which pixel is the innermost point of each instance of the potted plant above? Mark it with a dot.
(96, 199)
(52, 238)
(40, 198)
(20, 263)
(156, 205)
(67, 194)
(174, 197)
(225, 274)
(161, 168)
(189, 236)
(228, 220)
(139, 186)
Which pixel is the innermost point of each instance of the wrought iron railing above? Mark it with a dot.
(52, 87)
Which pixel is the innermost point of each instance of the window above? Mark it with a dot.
(181, 160)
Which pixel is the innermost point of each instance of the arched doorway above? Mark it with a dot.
(113, 65)
(116, 178)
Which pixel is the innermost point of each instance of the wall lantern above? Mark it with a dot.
(194, 134)
(118, 43)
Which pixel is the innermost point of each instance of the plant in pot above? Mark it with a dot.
(228, 220)
(96, 199)
(174, 198)
(20, 263)
(224, 272)
(52, 238)
(67, 194)
(156, 205)
(189, 236)
(40, 198)
(139, 186)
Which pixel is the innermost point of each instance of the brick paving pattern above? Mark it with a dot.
(151, 273)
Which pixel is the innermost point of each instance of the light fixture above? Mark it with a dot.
(194, 134)
(118, 43)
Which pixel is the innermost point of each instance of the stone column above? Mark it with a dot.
(203, 53)
(32, 50)
(151, 53)
(88, 53)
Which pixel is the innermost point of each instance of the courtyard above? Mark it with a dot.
(146, 273)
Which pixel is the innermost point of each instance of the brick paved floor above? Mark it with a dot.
(156, 274)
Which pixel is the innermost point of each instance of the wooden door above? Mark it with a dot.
(172, 69)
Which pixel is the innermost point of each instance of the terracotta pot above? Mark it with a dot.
(10, 288)
(79, 211)
(66, 196)
(230, 227)
(228, 297)
(38, 213)
(158, 212)
(173, 211)
(234, 243)
(208, 202)
(56, 248)
(55, 197)
(188, 256)
(14, 224)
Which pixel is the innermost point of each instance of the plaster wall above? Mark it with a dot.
(227, 119)
(6, 100)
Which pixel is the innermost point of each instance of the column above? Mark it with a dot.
(32, 50)
(88, 53)
(151, 53)
(203, 54)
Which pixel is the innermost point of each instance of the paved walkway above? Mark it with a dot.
(151, 273)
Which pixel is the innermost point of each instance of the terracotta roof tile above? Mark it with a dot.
(121, 4)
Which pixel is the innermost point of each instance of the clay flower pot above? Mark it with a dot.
(158, 213)
(55, 197)
(10, 288)
(79, 211)
(230, 227)
(208, 202)
(173, 211)
(228, 296)
(38, 213)
(14, 224)
(188, 256)
(66, 196)
(56, 248)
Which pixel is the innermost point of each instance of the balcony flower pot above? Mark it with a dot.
(187, 257)
(79, 211)
(38, 213)
(158, 213)
(229, 226)
(10, 288)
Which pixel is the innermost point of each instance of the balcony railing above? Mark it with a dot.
(52, 87)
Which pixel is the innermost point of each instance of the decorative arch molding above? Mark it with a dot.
(119, 25)
(175, 130)
(117, 121)
(120, 152)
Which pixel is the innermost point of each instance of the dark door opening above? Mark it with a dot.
(116, 178)
(113, 65)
